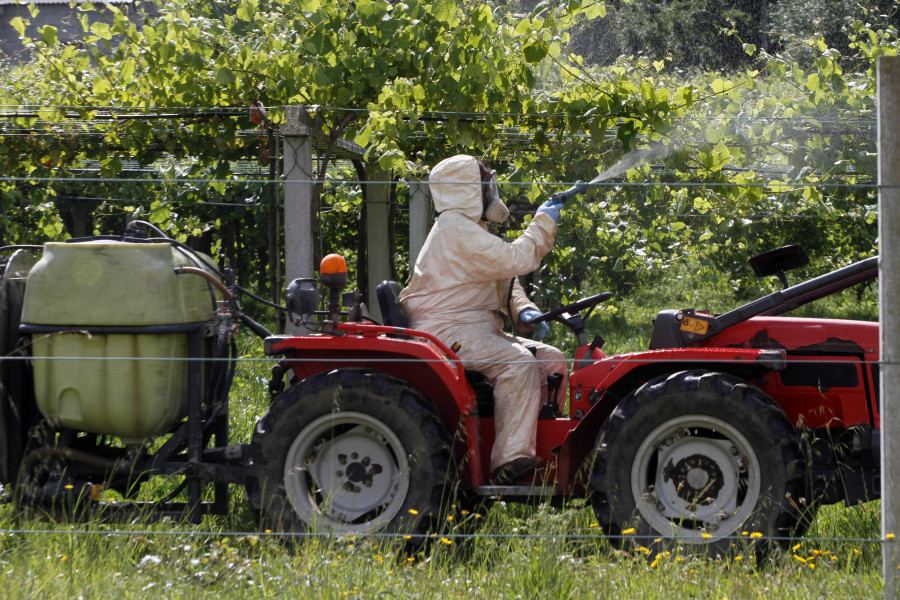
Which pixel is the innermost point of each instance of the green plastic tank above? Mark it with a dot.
(131, 384)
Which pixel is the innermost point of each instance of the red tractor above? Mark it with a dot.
(119, 364)
(730, 424)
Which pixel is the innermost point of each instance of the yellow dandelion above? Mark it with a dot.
(796, 547)
(706, 535)
(69, 486)
(680, 559)
(64, 558)
(890, 536)
(745, 533)
(756, 534)
(628, 531)
(446, 541)
(657, 540)
(268, 531)
(800, 558)
(594, 525)
(465, 512)
(413, 511)
(738, 558)
(407, 537)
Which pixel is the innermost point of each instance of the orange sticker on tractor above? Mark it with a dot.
(692, 325)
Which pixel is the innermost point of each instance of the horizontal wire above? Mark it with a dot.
(763, 361)
(230, 111)
(792, 186)
(352, 537)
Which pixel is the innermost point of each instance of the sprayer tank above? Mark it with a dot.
(110, 322)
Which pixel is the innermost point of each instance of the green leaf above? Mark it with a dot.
(594, 10)
(812, 83)
(535, 53)
(19, 25)
(225, 76)
(393, 159)
(445, 12)
(48, 35)
(247, 9)
(101, 30)
(159, 213)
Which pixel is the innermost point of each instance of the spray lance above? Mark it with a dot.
(580, 187)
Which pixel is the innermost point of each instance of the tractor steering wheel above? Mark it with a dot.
(562, 313)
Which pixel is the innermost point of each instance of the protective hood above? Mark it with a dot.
(456, 184)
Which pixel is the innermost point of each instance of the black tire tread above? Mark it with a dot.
(790, 519)
(271, 438)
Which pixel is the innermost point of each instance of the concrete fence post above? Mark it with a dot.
(889, 313)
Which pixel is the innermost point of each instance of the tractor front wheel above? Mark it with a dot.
(350, 451)
(701, 459)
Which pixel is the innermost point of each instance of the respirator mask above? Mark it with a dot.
(494, 209)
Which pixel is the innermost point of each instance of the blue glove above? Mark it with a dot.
(551, 208)
(540, 329)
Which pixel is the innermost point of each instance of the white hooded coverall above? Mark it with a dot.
(460, 282)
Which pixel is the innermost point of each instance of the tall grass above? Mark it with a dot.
(517, 552)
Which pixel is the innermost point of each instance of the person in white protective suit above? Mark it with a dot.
(463, 277)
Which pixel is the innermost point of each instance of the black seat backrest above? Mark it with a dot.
(387, 293)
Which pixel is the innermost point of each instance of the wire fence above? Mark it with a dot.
(771, 180)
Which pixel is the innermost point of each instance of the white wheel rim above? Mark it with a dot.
(355, 481)
(696, 478)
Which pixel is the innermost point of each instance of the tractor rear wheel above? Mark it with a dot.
(350, 451)
(701, 459)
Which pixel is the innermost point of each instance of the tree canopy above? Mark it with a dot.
(777, 150)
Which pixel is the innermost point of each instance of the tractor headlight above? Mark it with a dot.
(302, 299)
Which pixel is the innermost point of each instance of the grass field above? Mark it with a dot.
(509, 551)
(518, 552)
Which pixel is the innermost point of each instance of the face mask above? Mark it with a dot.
(494, 209)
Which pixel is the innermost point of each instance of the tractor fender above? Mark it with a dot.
(414, 356)
(614, 377)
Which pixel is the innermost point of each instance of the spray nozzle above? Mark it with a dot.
(579, 188)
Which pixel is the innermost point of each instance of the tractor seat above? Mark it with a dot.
(387, 293)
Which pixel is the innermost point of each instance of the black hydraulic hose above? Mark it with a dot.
(179, 245)
(21, 247)
(259, 299)
(255, 327)
(153, 228)
(217, 369)
(223, 386)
